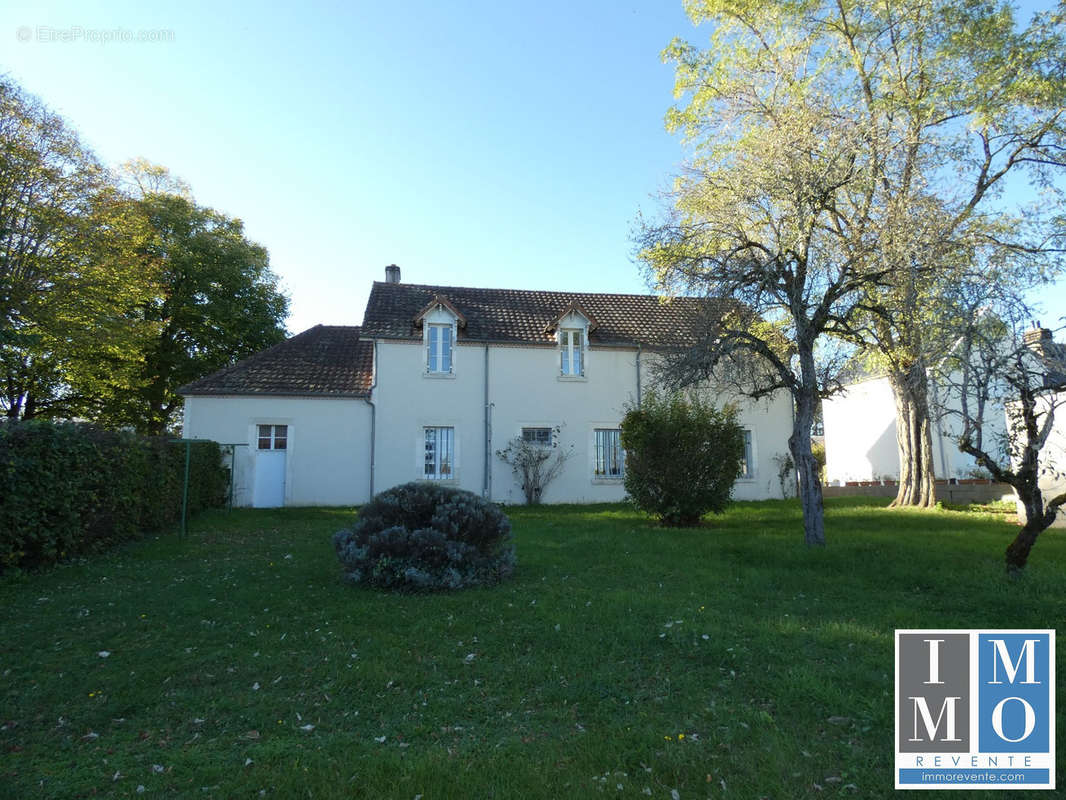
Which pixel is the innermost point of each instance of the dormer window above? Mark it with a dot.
(439, 348)
(440, 321)
(571, 351)
(571, 328)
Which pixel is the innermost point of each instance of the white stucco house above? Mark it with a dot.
(437, 379)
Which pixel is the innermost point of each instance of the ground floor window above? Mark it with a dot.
(273, 437)
(440, 453)
(537, 436)
(747, 463)
(610, 460)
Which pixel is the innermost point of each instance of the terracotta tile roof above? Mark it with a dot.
(328, 360)
(525, 317)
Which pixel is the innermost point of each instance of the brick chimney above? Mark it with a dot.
(1037, 338)
(392, 274)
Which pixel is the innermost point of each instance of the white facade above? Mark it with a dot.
(860, 435)
(526, 390)
(326, 461)
(470, 411)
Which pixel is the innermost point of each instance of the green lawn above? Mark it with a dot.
(622, 660)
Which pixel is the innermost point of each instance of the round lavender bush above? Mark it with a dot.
(424, 537)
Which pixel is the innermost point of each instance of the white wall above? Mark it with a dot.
(328, 454)
(860, 435)
(526, 390)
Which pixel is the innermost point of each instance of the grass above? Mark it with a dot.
(623, 659)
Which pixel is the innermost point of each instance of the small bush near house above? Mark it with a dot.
(71, 489)
(422, 537)
(818, 451)
(535, 465)
(682, 457)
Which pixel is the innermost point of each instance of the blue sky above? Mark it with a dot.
(471, 142)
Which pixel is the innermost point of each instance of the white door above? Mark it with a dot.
(268, 486)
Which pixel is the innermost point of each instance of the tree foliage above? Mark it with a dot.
(218, 300)
(683, 456)
(114, 290)
(66, 282)
(841, 153)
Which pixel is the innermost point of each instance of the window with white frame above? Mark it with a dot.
(273, 437)
(571, 352)
(438, 348)
(610, 458)
(538, 436)
(747, 463)
(439, 454)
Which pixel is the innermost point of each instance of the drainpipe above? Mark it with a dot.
(373, 417)
(638, 374)
(486, 488)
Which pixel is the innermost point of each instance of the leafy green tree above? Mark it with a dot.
(957, 98)
(841, 154)
(217, 300)
(753, 230)
(65, 288)
(682, 457)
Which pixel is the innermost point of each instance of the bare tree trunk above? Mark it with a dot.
(1037, 520)
(914, 438)
(799, 443)
(1018, 550)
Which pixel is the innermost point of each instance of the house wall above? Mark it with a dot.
(327, 460)
(860, 435)
(526, 390)
(328, 454)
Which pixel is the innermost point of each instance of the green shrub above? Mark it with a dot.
(818, 451)
(72, 489)
(682, 457)
(421, 536)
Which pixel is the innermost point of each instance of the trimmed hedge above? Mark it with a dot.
(71, 489)
(421, 537)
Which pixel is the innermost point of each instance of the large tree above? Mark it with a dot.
(217, 300)
(955, 98)
(842, 154)
(65, 285)
(762, 223)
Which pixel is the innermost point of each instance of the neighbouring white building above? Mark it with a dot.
(860, 424)
(860, 435)
(438, 379)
